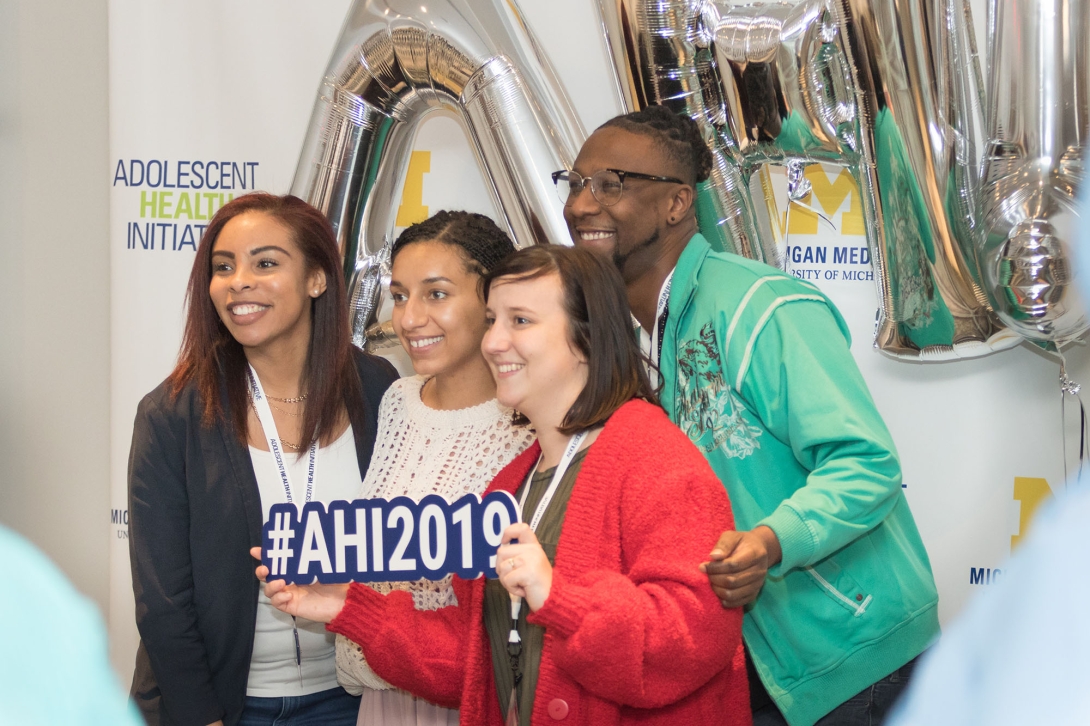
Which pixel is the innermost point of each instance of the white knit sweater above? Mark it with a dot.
(421, 451)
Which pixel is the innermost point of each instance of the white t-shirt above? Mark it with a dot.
(273, 670)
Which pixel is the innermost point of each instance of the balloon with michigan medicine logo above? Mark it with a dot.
(780, 85)
(892, 93)
(395, 64)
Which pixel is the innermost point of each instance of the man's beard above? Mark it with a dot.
(620, 259)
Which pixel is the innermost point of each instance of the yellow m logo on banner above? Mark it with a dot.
(1030, 492)
(830, 195)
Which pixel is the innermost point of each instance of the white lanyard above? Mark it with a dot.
(264, 415)
(656, 343)
(558, 474)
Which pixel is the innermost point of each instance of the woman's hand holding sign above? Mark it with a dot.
(523, 567)
(320, 603)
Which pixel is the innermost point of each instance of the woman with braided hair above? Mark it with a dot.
(441, 431)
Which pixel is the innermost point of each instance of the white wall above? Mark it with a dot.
(54, 283)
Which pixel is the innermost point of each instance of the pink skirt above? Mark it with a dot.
(395, 707)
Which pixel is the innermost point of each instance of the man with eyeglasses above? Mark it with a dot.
(754, 365)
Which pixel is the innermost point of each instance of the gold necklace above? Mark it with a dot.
(297, 399)
(285, 442)
(293, 447)
(284, 410)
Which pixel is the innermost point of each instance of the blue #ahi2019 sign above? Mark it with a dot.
(374, 540)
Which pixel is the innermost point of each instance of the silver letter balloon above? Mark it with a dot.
(969, 256)
(395, 64)
(967, 185)
(1037, 120)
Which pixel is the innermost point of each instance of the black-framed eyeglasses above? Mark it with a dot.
(606, 184)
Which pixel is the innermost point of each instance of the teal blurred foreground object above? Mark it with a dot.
(1020, 652)
(54, 669)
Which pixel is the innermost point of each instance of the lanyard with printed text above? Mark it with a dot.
(264, 415)
(558, 474)
(658, 330)
(514, 640)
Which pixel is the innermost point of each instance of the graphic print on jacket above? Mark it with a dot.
(708, 410)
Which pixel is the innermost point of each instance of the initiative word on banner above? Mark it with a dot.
(374, 540)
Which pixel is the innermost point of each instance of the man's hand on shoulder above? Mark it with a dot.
(739, 564)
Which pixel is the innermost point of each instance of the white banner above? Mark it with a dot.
(210, 99)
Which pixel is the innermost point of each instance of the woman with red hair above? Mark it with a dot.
(269, 402)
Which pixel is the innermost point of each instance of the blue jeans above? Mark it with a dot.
(869, 707)
(325, 708)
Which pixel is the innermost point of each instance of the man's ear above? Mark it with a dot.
(680, 203)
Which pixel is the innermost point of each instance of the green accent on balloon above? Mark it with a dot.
(714, 229)
(919, 309)
(352, 240)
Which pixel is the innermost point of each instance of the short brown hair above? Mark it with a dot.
(599, 327)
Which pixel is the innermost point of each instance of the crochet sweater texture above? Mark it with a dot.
(634, 633)
(421, 451)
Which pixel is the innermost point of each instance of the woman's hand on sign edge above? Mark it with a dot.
(320, 603)
(262, 572)
(523, 567)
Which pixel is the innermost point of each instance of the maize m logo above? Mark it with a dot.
(830, 195)
(1030, 493)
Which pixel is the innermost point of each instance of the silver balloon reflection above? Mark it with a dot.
(653, 48)
(882, 88)
(1037, 127)
(395, 64)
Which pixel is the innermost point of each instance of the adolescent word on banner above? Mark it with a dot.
(375, 540)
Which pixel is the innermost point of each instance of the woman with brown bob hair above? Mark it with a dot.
(600, 614)
(269, 402)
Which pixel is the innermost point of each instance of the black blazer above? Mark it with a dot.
(194, 513)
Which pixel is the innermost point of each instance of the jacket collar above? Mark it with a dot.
(682, 292)
(685, 274)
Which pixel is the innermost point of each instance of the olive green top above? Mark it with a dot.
(497, 603)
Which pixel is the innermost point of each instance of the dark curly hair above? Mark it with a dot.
(677, 135)
(485, 245)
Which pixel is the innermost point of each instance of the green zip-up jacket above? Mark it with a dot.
(757, 371)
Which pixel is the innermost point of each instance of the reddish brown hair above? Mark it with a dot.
(599, 327)
(214, 361)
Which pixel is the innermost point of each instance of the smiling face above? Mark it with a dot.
(628, 230)
(438, 312)
(261, 285)
(527, 346)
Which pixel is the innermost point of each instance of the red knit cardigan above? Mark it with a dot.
(633, 631)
